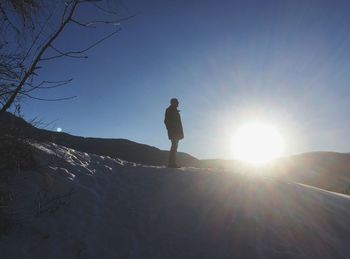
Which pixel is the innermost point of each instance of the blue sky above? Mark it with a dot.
(228, 62)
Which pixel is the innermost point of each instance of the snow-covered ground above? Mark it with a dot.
(79, 205)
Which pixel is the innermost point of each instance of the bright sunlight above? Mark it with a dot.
(257, 143)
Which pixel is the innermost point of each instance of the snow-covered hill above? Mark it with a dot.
(79, 205)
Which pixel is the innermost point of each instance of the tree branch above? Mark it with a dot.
(49, 100)
(54, 84)
(71, 53)
(37, 58)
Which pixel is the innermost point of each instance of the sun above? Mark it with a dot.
(257, 143)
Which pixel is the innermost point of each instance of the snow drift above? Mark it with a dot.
(79, 205)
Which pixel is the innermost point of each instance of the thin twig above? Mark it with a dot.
(71, 53)
(49, 100)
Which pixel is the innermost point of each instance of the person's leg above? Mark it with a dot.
(172, 153)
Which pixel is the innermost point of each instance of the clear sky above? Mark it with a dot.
(228, 62)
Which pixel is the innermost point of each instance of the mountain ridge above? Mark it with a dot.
(121, 148)
(323, 169)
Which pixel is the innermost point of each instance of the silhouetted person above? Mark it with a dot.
(175, 132)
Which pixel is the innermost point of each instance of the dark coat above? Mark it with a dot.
(173, 123)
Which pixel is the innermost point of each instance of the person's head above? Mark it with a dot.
(174, 102)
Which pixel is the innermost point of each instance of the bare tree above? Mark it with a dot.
(29, 30)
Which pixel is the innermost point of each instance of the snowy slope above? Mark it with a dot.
(79, 205)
